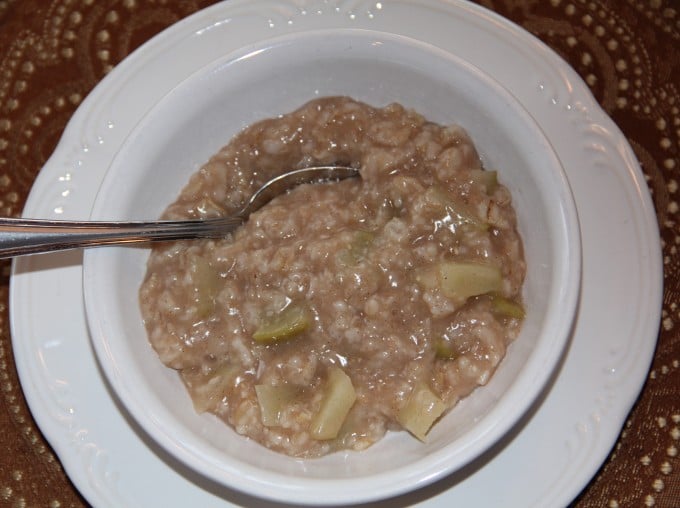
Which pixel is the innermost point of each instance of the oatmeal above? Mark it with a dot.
(340, 310)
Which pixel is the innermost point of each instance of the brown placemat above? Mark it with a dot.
(52, 53)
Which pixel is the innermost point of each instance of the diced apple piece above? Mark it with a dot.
(461, 279)
(339, 397)
(466, 279)
(444, 350)
(288, 323)
(455, 212)
(357, 249)
(507, 307)
(420, 412)
(206, 284)
(273, 400)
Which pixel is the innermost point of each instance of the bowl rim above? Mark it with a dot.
(306, 490)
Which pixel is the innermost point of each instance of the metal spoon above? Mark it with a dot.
(19, 237)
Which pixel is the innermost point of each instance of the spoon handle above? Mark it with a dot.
(19, 237)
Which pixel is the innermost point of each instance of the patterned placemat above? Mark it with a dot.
(53, 52)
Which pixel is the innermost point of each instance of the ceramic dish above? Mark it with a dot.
(568, 433)
(279, 75)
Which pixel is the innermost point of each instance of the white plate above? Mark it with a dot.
(557, 448)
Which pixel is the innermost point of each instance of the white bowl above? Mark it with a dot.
(200, 116)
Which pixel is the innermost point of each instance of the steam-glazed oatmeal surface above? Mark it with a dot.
(340, 310)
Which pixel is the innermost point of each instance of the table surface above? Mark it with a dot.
(53, 52)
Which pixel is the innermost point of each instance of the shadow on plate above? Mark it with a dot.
(47, 261)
